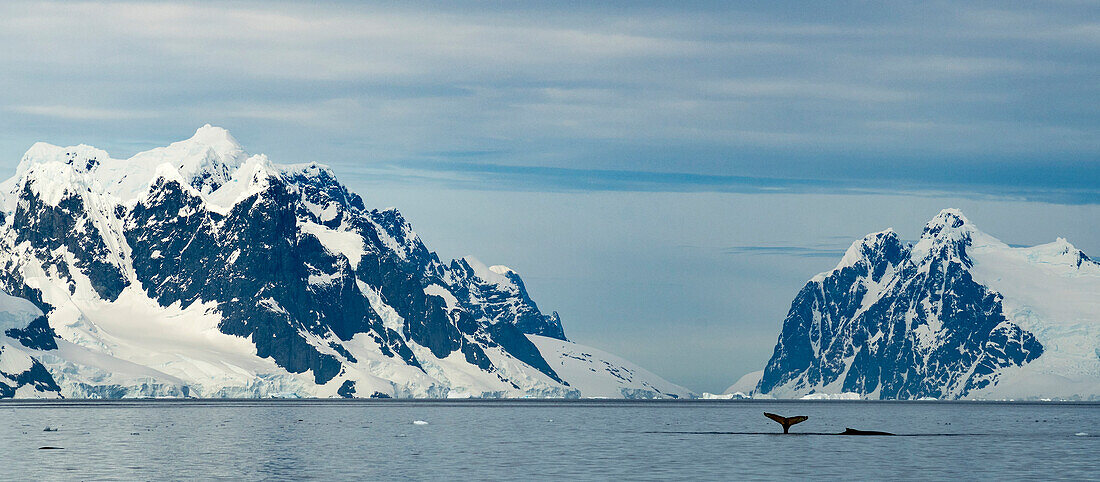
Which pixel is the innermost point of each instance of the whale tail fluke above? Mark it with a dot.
(786, 422)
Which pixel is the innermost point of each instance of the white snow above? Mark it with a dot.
(460, 376)
(42, 152)
(211, 152)
(182, 342)
(51, 182)
(12, 360)
(134, 342)
(322, 279)
(746, 384)
(251, 178)
(489, 274)
(390, 318)
(833, 396)
(437, 290)
(29, 391)
(724, 396)
(1049, 295)
(346, 243)
(16, 312)
(598, 374)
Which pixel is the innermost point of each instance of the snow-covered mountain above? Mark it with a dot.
(198, 270)
(959, 314)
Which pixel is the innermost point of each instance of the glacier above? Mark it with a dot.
(957, 315)
(199, 270)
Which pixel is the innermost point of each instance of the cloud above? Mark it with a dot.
(502, 177)
(72, 112)
(796, 251)
(783, 88)
(939, 66)
(873, 96)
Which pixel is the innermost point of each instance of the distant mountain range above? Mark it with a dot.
(957, 315)
(197, 270)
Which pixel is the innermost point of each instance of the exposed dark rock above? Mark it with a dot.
(347, 389)
(37, 335)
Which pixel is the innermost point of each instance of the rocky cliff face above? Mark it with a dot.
(957, 315)
(198, 270)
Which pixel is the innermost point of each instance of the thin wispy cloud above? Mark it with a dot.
(796, 251)
(783, 88)
(76, 112)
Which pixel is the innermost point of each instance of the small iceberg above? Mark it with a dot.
(419, 422)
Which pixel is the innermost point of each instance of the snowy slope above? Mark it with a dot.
(957, 315)
(601, 375)
(1053, 291)
(200, 270)
(746, 384)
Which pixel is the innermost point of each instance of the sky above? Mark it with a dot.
(666, 177)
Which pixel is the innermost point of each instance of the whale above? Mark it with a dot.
(786, 422)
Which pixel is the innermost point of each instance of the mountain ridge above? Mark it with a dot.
(197, 269)
(954, 315)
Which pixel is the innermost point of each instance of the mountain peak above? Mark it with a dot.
(214, 136)
(489, 274)
(947, 220)
(83, 157)
(210, 144)
(876, 250)
(864, 248)
(207, 160)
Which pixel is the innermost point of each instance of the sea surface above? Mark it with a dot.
(472, 440)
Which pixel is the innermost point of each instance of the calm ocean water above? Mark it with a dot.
(145, 440)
